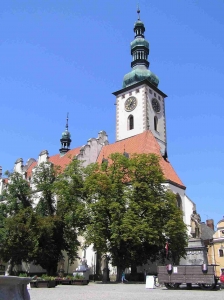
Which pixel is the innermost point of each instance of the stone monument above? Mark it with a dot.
(82, 269)
(196, 251)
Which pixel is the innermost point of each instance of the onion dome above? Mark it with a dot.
(65, 134)
(139, 74)
(140, 63)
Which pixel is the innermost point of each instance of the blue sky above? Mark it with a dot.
(69, 56)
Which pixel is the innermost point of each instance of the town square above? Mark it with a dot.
(111, 168)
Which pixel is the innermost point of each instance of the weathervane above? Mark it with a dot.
(138, 12)
(66, 122)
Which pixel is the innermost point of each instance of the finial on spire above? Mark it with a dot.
(66, 122)
(138, 12)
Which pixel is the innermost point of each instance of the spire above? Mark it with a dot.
(139, 52)
(65, 139)
(139, 47)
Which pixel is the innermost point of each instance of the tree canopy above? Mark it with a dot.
(38, 230)
(131, 214)
(121, 206)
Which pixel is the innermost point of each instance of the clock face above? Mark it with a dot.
(130, 104)
(156, 105)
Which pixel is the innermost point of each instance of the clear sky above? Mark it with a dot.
(59, 56)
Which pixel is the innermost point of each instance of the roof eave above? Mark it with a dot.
(145, 81)
(175, 184)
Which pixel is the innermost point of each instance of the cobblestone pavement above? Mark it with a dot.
(98, 291)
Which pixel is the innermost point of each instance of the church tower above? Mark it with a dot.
(140, 104)
(65, 140)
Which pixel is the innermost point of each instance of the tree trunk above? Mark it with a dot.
(119, 273)
(133, 269)
(52, 270)
(106, 276)
(98, 265)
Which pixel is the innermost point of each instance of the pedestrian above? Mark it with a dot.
(123, 277)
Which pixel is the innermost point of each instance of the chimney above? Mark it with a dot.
(210, 223)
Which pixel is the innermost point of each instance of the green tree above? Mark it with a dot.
(50, 235)
(15, 199)
(60, 203)
(18, 194)
(56, 218)
(71, 205)
(50, 242)
(18, 237)
(131, 214)
(43, 180)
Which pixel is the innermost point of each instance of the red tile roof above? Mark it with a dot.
(29, 170)
(142, 143)
(62, 161)
(57, 160)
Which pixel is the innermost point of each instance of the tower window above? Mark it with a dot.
(150, 91)
(130, 122)
(123, 96)
(137, 91)
(154, 94)
(130, 93)
(159, 97)
(156, 123)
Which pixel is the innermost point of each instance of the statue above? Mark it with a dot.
(195, 225)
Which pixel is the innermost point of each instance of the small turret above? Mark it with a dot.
(65, 140)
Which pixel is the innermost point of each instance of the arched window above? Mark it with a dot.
(156, 123)
(130, 122)
(179, 202)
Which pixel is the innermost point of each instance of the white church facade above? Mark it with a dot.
(140, 128)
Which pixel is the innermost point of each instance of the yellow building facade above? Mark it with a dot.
(216, 249)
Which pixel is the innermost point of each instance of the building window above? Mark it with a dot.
(137, 91)
(130, 93)
(123, 96)
(155, 95)
(156, 123)
(130, 122)
(150, 91)
(220, 252)
(159, 97)
(179, 202)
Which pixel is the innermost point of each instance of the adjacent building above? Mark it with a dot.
(216, 248)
